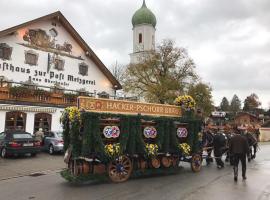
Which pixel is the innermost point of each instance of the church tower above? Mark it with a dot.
(144, 28)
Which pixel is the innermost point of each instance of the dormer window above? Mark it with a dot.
(5, 51)
(31, 58)
(140, 38)
(59, 64)
(83, 69)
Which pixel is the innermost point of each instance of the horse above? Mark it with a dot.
(253, 145)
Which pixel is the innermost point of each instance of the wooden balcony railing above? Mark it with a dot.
(31, 93)
(53, 98)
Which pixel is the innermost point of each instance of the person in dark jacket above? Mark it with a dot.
(239, 149)
(219, 143)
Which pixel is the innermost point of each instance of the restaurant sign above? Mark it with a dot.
(127, 107)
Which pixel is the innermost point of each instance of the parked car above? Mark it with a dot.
(53, 142)
(18, 143)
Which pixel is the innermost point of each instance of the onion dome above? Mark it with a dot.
(144, 16)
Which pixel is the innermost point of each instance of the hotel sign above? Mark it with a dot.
(127, 107)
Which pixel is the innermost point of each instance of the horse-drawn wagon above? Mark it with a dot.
(117, 138)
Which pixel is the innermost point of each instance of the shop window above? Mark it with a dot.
(140, 38)
(83, 69)
(5, 51)
(15, 121)
(42, 120)
(31, 58)
(59, 64)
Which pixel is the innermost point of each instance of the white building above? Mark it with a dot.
(144, 28)
(43, 64)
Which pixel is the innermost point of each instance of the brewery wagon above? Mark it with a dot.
(117, 138)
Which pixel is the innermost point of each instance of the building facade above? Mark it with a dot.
(44, 66)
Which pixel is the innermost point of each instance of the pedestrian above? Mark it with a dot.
(39, 135)
(239, 149)
(219, 143)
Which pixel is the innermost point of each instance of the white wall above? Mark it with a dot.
(30, 118)
(71, 64)
(56, 126)
(2, 120)
(148, 36)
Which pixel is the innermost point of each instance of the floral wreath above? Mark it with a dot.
(186, 102)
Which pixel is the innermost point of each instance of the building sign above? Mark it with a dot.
(127, 107)
(44, 77)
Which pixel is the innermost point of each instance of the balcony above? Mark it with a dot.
(29, 93)
(13, 92)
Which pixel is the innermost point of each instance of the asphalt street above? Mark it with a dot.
(210, 183)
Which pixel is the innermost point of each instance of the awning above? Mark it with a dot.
(23, 108)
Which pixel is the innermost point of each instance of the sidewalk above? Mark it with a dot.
(22, 166)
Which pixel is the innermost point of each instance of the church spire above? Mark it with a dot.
(144, 4)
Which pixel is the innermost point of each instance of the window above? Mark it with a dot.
(140, 38)
(83, 69)
(59, 64)
(15, 121)
(2, 136)
(31, 58)
(42, 120)
(5, 51)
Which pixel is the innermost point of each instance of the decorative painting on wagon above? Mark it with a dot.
(122, 144)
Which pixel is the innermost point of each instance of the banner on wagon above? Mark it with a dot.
(127, 107)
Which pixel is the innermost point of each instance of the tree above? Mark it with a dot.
(202, 94)
(162, 75)
(118, 71)
(225, 105)
(235, 104)
(251, 103)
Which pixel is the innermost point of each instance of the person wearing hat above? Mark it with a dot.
(239, 149)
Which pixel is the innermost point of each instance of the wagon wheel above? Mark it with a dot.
(120, 169)
(196, 163)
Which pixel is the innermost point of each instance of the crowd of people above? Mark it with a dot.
(237, 146)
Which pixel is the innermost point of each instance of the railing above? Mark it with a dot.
(27, 92)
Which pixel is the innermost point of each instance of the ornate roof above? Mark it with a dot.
(144, 16)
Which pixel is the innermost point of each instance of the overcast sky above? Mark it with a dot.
(229, 40)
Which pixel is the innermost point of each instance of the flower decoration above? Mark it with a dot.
(150, 132)
(111, 131)
(185, 148)
(186, 102)
(182, 132)
(72, 113)
(112, 150)
(151, 149)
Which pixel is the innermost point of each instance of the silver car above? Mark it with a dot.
(53, 142)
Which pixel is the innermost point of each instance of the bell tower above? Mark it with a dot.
(144, 28)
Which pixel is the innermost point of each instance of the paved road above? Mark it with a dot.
(210, 184)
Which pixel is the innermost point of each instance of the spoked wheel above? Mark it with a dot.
(196, 163)
(120, 169)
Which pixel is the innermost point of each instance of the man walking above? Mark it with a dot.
(239, 149)
(219, 143)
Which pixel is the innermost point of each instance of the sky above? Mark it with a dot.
(229, 40)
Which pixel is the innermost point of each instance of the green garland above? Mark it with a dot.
(131, 140)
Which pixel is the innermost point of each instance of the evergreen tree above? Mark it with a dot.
(235, 104)
(225, 105)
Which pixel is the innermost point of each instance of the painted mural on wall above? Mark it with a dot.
(41, 40)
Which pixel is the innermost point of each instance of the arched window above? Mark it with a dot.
(42, 120)
(140, 38)
(15, 120)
